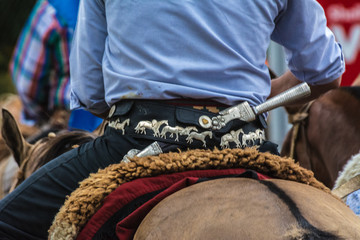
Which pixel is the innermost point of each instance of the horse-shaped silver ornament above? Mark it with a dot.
(120, 125)
(154, 125)
(199, 136)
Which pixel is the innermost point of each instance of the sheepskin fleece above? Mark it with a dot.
(351, 169)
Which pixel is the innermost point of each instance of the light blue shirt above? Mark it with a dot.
(199, 49)
(353, 201)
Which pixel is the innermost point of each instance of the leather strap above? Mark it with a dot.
(297, 120)
(347, 188)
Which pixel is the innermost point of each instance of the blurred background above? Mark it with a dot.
(12, 18)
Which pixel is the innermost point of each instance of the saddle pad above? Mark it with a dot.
(124, 209)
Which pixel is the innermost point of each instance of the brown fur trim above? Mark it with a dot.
(87, 199)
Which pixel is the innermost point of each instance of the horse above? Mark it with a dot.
(25, 157)
(199, 194)
(325, 133)
(249, 209)
(13, 104)
(55, 121)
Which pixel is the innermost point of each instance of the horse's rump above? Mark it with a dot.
(122, 211)
(244, 208)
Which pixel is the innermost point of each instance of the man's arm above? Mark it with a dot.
(288, 80)
(312, 53)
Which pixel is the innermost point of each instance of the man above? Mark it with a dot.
(40, 64)
(154, 67)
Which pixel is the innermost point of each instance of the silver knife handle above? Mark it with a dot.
(286, 97)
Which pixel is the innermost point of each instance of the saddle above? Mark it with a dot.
(81, 206)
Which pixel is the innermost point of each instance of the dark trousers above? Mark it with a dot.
(28, 212)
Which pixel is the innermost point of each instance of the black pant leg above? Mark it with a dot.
(27, 212)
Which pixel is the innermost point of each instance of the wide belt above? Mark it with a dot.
(179, 123)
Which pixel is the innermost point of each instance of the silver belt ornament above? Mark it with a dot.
(241, 111)
(245, 112)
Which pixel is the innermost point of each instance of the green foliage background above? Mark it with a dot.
(13, 15)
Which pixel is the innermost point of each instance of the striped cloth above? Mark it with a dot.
(40, 63)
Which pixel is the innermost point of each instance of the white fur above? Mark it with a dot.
(351, 169)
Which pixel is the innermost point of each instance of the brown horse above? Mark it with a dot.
(292, 205)
(8, 166)
(249, 209)
(29, 157)
(13, 104)
(326, 133)
(57, 120)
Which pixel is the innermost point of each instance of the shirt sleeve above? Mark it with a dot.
(311, 51)
(87, 87)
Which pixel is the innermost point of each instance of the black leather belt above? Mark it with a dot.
(178, 123)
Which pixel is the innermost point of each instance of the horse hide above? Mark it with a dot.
(272, 209)
(329, 135)
(355, 91)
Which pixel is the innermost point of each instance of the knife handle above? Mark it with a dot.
(286, 97)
